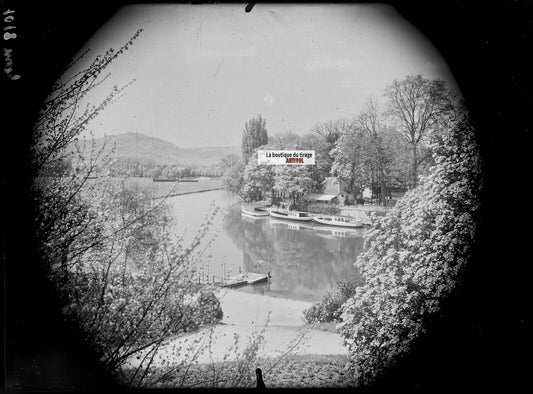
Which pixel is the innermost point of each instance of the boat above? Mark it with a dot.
(337, 221)
(291, 215)
(253, 211)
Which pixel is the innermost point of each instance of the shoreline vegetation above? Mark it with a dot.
(316, 354)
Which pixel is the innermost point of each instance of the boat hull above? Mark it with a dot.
(278, 215)
(337, 224)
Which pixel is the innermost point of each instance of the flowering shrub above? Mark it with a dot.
(132, 288)
(208, 308)
(329, 309)
(124, 280)
(415, 256)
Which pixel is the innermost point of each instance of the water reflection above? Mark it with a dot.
(305, 261)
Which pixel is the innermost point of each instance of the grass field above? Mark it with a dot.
(295, 371)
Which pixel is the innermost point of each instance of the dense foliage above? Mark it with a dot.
(233, 178)
(124, 279)
(258, 179)
(376, 149)
(293, 182)
(371, 153)
(133, 167)
(254, 135)
(419, 107)
(329, 309)
(415, 255)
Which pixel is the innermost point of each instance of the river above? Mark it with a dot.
(304, 263)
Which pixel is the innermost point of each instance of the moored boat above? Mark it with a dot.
(254, 211)
(338, 232)
(338, 221)
(291, 215)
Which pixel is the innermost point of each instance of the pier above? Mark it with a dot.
(243, 279)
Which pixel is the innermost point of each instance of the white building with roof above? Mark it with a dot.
(334, 191)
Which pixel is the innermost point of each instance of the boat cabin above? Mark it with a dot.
(297, 214)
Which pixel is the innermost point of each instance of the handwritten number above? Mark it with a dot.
(9, 36)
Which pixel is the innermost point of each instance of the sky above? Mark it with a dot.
(201, 71)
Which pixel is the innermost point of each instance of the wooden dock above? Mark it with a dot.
(239, 280)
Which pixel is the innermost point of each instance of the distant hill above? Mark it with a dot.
(158, 151)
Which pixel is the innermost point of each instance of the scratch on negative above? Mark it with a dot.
(220, 65)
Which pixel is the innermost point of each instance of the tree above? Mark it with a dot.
(398, 158)
(132, 290)
(258, 178)
(330, 132)
(122, 279)
(254, 135)
(286, 140)
(377, 144)
(349, 164)
(229, 161)
(323, 158)
(294, 180)
(233, 178)
(419, 106)
(59, 208)
(415, 256)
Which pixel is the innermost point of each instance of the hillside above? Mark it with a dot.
(154, 150)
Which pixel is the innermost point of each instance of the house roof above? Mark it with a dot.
(321, 197)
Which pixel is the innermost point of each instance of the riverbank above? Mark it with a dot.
(285, 335)
(245, 314)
